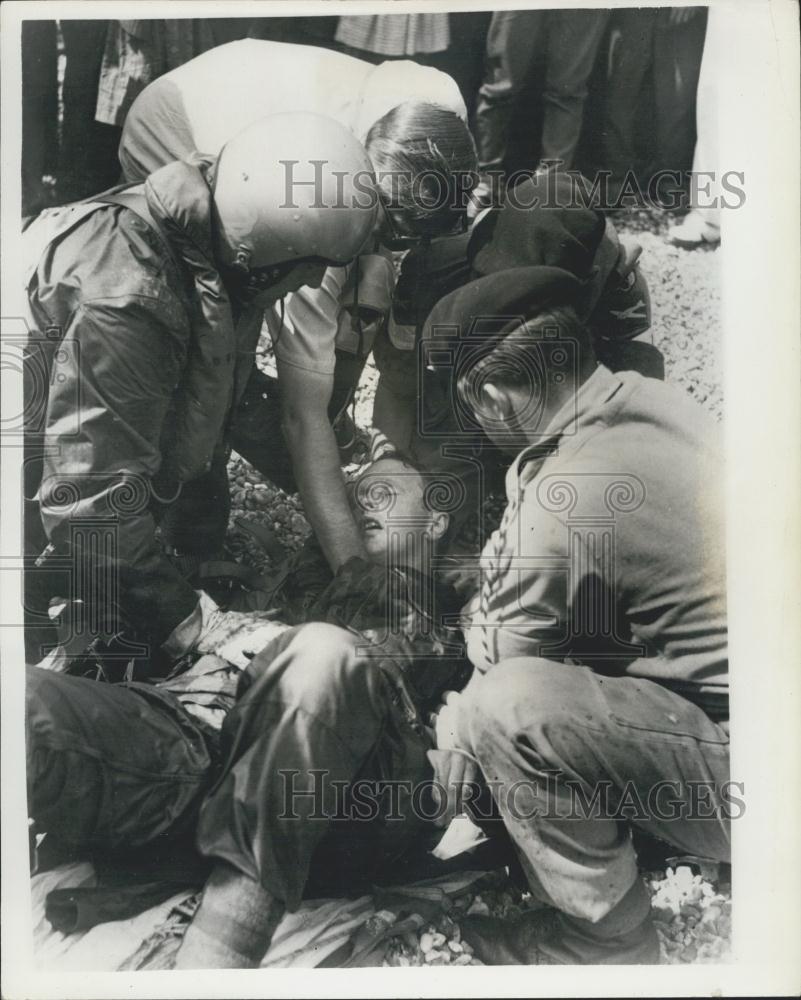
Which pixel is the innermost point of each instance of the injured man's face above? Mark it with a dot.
(393, 509)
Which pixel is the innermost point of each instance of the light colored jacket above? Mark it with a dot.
(611, 548)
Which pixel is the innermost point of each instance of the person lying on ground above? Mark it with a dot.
(124, 769)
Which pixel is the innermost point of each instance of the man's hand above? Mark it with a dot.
(446, 722)
(456, 773)
(457, 782)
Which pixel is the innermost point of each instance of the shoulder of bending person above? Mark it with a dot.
(113, 256)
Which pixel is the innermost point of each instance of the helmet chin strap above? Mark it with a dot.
(242, 257)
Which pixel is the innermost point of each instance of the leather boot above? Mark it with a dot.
(625, 936)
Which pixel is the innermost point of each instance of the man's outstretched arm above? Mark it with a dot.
(315, 458)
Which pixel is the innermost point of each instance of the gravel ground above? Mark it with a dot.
(692, 912)
(692, 915)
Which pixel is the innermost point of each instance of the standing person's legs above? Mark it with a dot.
(707, 154)
(88, 158)
(465, 55)
(513, 40)
(110, 766)
(573, 40)
(631, 54)
(39, 111)
(702, 225)
(572, 758)
(678, 50)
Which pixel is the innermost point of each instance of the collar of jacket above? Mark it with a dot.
(587, 406)
(179, 199)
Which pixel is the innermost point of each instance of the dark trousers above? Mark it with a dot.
(115, 766)
(111, 766)
(319, 713)
(39, 110)
(645, 40)
(88, 161)
(568, 41)
(551, 736)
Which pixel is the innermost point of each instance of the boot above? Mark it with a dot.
(233, 925)
(625, 936)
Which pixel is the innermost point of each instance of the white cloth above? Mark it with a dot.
(216, 95)
(707, 108)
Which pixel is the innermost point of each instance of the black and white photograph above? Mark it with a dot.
(400, 499)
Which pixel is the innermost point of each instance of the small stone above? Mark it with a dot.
(439, 940)
(478, 906)
(455, 947)
(426, 942)
(462, 960)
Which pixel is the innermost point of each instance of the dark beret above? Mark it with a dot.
(542, 221)
(496, 303)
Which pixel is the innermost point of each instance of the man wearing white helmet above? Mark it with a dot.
(152, 299)
(412, 121)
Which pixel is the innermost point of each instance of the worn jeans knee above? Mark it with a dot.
(522, 695)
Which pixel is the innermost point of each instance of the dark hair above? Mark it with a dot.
(505, 356)
(426, 164)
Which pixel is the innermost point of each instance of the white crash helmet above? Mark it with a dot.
(292, 186)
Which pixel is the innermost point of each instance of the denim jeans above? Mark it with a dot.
(550, 736)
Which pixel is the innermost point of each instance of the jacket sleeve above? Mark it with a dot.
(121, 361)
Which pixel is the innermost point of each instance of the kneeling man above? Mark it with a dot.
(599, 696)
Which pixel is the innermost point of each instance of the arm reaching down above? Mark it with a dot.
(315, 458)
